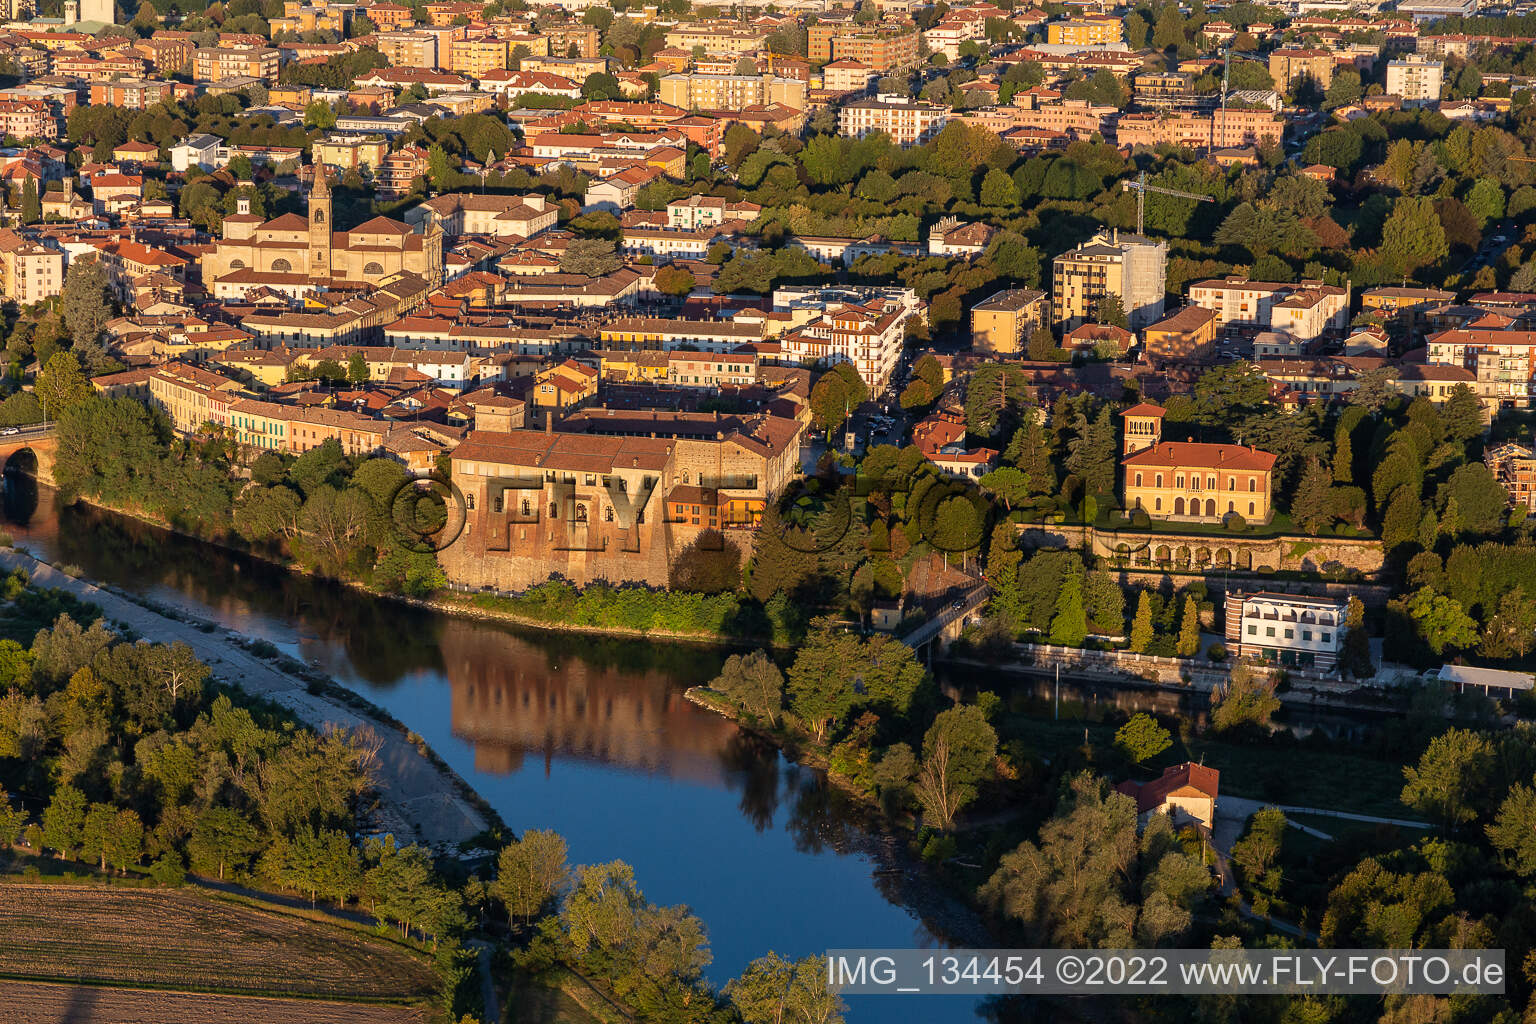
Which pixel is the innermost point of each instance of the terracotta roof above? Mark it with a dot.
(1150, 795)
(1173, 454)
(1145, 409)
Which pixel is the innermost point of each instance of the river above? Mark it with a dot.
(586, 736)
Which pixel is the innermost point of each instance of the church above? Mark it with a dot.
(294, 255)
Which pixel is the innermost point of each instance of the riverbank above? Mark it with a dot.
(906, 878)
(420, 797)
(465, 605)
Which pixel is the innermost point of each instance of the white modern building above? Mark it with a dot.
(1291, 629)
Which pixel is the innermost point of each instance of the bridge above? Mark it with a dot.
(950, 621)
(30, 450)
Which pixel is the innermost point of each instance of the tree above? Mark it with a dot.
(531, 872)
(1479, 500)
(1189, 629)
(1513, 831)
(1247, 700)
(676, 281)
(1142, 632)
(754, 682)
(773, 990)
(1374, 389)
(31, 205)
(957, 755)
(1142, 738)
(1312, 507)
(1092, 454)
(1356, 656)
(1111, 310)
(1042, 347)
(1441, 621)
(1258, 850)
(836, 394)
(997, 189)
(1511, 631)
(1412, 236)
(1069, 626)
(84, 302)
(64, 821)
(593, 257)
(222, 838)
(1452, 768)
(60, 385)
(1462, 414)
(357, 368)
(600, 86)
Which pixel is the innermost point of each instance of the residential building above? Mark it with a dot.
(477, 57)
(708, 211)
(941, 439)
(1104, 341)
(344, 153)
(949, 237)
(1513, 465)
(883, 49)
(848, 75)
(712, 369)
(498, 216)
(717, 37)
(907, 121)
(1185, 792)
(217, 64)
(1287, 64)
(408, 49)
(1417, 80)
(30, 272)
(1295, 630)
(862, 326)
(1127, 266)
(1141, 427)
(732, 92)
(1187, 335)
(563, 386)
(1002, 323)
(1099, 30)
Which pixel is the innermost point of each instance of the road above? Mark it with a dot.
(417, 801)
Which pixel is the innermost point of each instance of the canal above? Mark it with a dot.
(586, 736)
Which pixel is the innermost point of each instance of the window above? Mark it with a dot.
(554, 510)
(1159, 479)
(281, 266)
(1250, 508)
(1327, 638)
(469, 501)
(373, 270)
(1306, 634)
(1253, 484)
(1290, 634)
(1253, 630)
(1159, 506)
(1269, 630)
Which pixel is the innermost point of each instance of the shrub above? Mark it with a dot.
(1140, 519)
(1236, 523)
(1217, 652)
(264, 649)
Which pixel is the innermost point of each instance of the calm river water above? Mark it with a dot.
(589, 737)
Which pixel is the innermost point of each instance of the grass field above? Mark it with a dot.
(1299, 775)
(189, 940)
(34, 1002)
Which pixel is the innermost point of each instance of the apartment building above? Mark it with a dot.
(1289, 63)
(395, 176)
(865, 327)
(885, 49)
(1220, 129)
(138, 93)
(1307, 310)
(1513, 465)
(907, 121)
(716, 337)
(28, 119)
(1185, 336)
(1099, 30)
(1295, 630)
(344, 153)
(1002, 323)
(848, 75)
(496, 216)
(1502, 360)
(1417, 80)
(712, 370)
(408, 49)
(565, 35)
(732, 92)
(217, 64)
(708, 211)
(717, 37)
(30, 272)
(1128, 266)
(477, 57)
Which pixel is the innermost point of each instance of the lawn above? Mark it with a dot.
(1279, 773)
(192, 940)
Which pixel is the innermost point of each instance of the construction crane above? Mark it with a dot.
(1141, 188)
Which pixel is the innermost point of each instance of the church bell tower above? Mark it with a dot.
(320, 227)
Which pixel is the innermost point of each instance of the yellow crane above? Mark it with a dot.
(1141, 188)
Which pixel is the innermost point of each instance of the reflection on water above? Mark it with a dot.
(587, 736)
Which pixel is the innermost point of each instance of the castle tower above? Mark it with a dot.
(320, 227)
(1143, 427)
